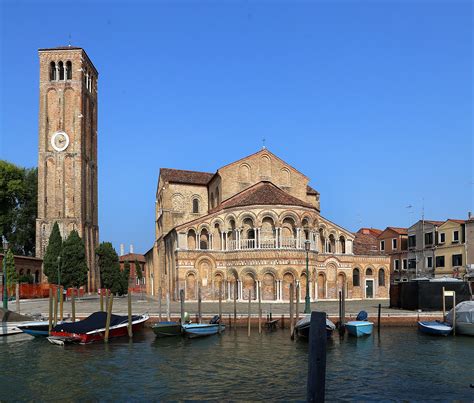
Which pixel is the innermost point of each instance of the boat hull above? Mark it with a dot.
(202, 330)
(60, 337)
(465, 328)
(434, 328)
(359, 328)
(9, 328)
(303, 327)
(167, 329)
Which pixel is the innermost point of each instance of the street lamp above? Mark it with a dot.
(5, 291)
(307, 304)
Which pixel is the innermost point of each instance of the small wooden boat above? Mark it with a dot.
(36, 329)
(203, 329)
(93, 328)
(359, 328)
(303, 326)
(166, 329)
(435, 328)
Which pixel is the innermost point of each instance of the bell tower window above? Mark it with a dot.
(68, 70)
(61, 71)
(52, 71)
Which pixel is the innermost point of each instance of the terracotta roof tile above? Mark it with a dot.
(262, 193)
(370, 231)
(399, 230)
(185, 177)
(434, 222)
(457, 221)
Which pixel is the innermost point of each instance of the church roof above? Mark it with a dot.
(311, 191)
(262, 193)
(185, 177)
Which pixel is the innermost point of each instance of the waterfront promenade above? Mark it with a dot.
(89, 304)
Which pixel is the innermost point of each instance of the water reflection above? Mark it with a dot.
(397, 364)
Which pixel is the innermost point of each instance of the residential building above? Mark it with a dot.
(421, 248)
(243, 229)
(393, 241)
(450, 252)
(135, 283)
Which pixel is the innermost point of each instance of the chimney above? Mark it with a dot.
(131, 248)
(122, 249)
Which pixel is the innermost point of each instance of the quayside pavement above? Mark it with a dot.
(90, 304)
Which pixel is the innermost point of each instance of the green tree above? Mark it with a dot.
(73, 262)
(18, 207)
(53, 250)
(111, 277)
(12, 275)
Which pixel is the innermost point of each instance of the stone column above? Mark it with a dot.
(298, 238)
(198, 246)
(229, 285)
(258, 237)
(222, 241)
(257, 289)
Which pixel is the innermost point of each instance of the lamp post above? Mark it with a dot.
(5, 290)
(307, 302)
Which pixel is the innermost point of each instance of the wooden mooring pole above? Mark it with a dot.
(61, 303)
(220, 307)
(181, 298)
(343, 306)
(73, 304)
(129, 297)
(444, 307)
(199, 306)
(50, 315)
(259, 309)
(101, 299)
(378, 317)
(109, 316)
(236, 289)
(316, 384)
(248, 318)
(168, 314)
(292, 324)
(297, 292)
(17, 293)
(160, 295)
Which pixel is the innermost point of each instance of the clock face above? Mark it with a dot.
(60, 141)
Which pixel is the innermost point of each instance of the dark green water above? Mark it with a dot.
(400, 365)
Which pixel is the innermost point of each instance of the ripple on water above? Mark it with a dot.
(401, 364)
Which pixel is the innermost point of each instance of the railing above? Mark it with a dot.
(268, 243)
(264, 243)
(288, 243)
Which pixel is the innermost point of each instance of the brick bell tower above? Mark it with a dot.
(67, 158)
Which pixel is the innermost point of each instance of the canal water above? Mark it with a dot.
(401, 364)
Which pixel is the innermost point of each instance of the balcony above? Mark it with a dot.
(266, 243)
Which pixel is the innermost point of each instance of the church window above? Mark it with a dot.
(61, 70)
(195, 206)
(356, 278)
(52, 71)
(69, 70)
(381, 278)
(368, 272)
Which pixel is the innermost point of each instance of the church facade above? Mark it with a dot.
(248, 229)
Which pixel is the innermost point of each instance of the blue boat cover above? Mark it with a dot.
(362, 315)
(95, 321)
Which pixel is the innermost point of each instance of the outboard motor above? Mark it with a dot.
(362, 315)
(215, 320)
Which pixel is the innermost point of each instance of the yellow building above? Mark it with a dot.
(450, 251)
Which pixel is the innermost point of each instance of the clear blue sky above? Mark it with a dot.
(371, 100)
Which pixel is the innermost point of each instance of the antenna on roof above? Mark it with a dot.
(69, 40)
(263, 144)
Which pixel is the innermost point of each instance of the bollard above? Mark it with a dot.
(316, 383)
(129, 297)
(109, 316)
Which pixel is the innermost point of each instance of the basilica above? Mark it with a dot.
(251, 229)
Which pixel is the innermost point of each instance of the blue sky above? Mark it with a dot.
(371, 100)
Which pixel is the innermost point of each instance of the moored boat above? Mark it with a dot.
(36, 329)
(359, 328)
(303, 327)
(93, 328)
(203, 329)
(464, 318)
(166, 329)
(435, 328)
